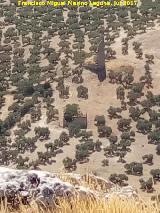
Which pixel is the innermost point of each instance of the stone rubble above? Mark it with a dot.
(45, 187)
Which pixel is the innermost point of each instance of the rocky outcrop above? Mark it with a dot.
(45, 187)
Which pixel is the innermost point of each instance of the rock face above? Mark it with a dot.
(45, 187)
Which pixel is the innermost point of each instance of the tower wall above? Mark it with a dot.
(101, 69)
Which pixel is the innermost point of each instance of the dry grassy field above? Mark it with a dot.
(44, 52)
(89, 206)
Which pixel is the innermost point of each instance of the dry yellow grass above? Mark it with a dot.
(87, 204)
(79, 205)
(83, 204)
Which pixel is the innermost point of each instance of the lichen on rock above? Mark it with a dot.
(45, 188)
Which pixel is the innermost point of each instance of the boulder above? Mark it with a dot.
(44, 187)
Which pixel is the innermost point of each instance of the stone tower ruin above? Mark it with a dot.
(99, 67)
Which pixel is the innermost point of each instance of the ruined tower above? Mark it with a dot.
(99, 67)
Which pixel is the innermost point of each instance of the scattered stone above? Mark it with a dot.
(45, 188)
